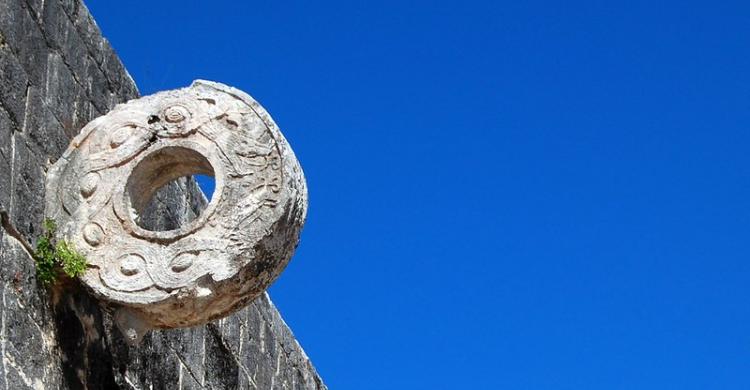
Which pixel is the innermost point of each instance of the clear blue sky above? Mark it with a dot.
(525, 195)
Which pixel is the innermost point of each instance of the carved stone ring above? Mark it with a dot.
(217, 263)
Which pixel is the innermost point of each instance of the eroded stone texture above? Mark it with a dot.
(98, 192)
(66, 341)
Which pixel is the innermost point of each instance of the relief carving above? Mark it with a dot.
(211, 266)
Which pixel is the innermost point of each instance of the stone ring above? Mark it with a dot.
(98, 190)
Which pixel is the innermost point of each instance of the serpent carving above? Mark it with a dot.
(211, 266)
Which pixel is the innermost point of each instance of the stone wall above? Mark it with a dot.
(56, 74)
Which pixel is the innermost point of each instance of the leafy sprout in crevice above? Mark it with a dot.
(53, 256)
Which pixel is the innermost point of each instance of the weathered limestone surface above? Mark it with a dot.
(57, 73)
(207, 268)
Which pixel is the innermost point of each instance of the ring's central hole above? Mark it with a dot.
(164, 192)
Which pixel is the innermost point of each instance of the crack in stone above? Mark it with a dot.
(217, 334)
(185, 365)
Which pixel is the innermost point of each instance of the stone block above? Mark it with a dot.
(65, 38)
(97, 87)
(89, 32)
(30, 359)
(13, 83)
(45, 135)
(27, 194)
(62, 36)
(7, 128)
(63, 96)
(122, 83)
(23, 35)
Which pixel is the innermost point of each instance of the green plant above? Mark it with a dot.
(53, 256)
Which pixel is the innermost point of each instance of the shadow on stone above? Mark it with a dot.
(86, 361)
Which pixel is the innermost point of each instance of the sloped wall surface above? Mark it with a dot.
(56, 74)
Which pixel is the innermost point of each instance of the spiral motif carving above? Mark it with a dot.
(218, 262)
